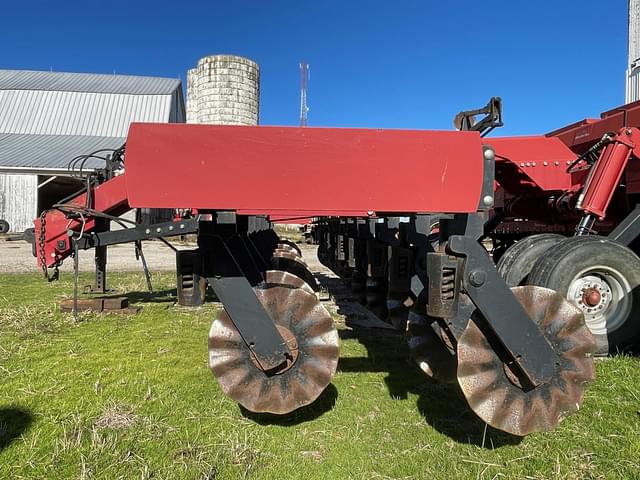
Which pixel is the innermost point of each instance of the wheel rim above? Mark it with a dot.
(604, 296)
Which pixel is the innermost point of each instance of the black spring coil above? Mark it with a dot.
(448, 288)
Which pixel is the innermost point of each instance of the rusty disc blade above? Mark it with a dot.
(428, 348)
(288, 262)
(289, 245)
(281, 249)
(302, 320)
(491, 388)
(278, 277)
(286, 249)
(280, 253)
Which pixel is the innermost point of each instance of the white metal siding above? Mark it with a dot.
(18, 200)
(78, 113)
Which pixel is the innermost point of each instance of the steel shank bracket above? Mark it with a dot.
(505, 317)
(248, 315)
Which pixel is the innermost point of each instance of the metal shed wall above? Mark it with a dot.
(47, 118)
(18, 200)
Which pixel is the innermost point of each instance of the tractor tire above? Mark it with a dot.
(518, 260)
(4, 226)
(602, 278)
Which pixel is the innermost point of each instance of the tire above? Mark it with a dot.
(518, 260)
(499, 251)
(609, 270)
(4, 226)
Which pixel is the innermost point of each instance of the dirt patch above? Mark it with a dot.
(116, 417)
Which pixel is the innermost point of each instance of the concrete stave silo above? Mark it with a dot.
(192, 96)
(225, 90)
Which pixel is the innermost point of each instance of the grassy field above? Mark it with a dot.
(112, 396)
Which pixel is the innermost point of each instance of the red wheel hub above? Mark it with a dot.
(591, 297)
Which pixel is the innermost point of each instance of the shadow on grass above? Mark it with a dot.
(169, 295)
(325, 402)
(13, 423)
(443, 406)
(160, 296)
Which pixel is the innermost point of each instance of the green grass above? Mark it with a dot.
(112, 396)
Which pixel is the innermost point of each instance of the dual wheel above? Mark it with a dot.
(599, 276)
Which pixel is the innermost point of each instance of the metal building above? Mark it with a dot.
(47, 118)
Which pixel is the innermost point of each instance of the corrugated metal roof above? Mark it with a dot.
(86, 82)
(51, 151)
(47, 118)
(78, 113)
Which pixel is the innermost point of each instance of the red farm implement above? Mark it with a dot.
(416, 220)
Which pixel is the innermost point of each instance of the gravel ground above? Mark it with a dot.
(15, 257)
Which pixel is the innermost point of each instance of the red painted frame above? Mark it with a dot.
(109, 197)
(313, 171)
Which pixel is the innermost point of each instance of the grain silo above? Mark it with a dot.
(226, 90)
(192, 95)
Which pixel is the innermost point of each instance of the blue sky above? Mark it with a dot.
(386, 64)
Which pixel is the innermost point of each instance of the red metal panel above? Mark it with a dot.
(312, 170)
(581, 135)
(544, 160)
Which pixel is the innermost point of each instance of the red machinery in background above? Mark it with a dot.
(585, 185)
(410, 217)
